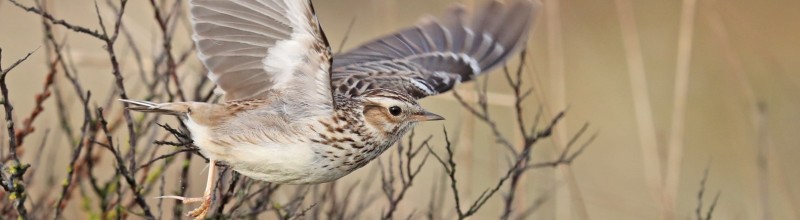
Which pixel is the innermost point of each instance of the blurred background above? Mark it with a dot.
(671, 88)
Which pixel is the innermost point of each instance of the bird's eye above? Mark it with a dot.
(394, 110)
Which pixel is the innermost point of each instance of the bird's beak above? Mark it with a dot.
(427, 116)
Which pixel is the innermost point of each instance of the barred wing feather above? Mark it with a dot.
(433, 56)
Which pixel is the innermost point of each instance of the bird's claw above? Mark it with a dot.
(199, 212)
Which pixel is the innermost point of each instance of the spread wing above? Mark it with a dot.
(253, 48)
(433, 56)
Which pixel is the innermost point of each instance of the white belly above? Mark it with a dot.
(293, 164)
(272, 162)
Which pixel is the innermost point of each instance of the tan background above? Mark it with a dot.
(743, 53)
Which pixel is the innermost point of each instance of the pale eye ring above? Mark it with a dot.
(394, 110)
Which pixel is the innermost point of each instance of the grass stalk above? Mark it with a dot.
(642, 108)
(679, 100)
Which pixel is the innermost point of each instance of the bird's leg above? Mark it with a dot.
(200, 212)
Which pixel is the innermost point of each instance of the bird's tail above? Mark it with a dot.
(177, 108)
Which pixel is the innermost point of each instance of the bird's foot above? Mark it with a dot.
(199, 212)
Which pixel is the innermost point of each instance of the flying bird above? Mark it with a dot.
(294, 113)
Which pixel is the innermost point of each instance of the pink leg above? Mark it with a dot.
(200, 212)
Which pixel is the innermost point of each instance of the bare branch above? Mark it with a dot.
(123, 170)
(76, 152)
(14, 182)
(76, 28)
(407, 172)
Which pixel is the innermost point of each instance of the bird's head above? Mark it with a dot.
(393, 113)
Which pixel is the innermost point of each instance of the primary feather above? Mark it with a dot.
(433, 56)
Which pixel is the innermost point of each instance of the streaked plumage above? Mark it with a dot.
(295, 114)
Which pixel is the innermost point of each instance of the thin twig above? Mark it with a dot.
(76, 28)
(76, 152)
(346, 35)
(700, 196)
(163, 157)
(121, 167)
(407, 172)
(14, 182)
(167, 43)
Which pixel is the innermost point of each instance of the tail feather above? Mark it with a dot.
(161, 108)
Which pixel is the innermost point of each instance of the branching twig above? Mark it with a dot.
(14, 182)
(700, 195)
(522, 154)
(163, 157)
(76, 28)
(27, 124)
(407, 173)
(76, 152)
(121, 167)
(167, 43)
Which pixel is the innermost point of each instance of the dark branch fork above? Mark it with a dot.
(405, 171)
(701, 195)
(522, 158)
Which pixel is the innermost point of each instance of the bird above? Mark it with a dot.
(292, 112)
